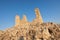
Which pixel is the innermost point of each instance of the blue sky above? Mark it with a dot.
(50, 11)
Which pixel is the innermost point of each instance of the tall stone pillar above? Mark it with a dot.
(38, 15)
(17, 20)
(24, 18)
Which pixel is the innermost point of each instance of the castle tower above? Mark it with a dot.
(17, 20)
(24, 18)
(38, 15)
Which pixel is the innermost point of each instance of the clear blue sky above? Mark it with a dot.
(50, 11)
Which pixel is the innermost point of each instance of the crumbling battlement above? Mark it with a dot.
(39, 19)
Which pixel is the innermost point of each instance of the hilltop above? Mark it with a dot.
(35, 30)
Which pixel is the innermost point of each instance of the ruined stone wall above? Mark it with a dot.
(36, 30)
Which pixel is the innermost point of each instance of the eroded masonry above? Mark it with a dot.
(35, 30)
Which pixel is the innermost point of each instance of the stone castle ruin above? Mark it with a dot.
(18, 21)
(35, 30)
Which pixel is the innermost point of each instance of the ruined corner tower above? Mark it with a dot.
(17, 20)
(38, 16)
(24, 18)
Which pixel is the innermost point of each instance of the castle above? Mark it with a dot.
(35, 30)
(18, 21)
